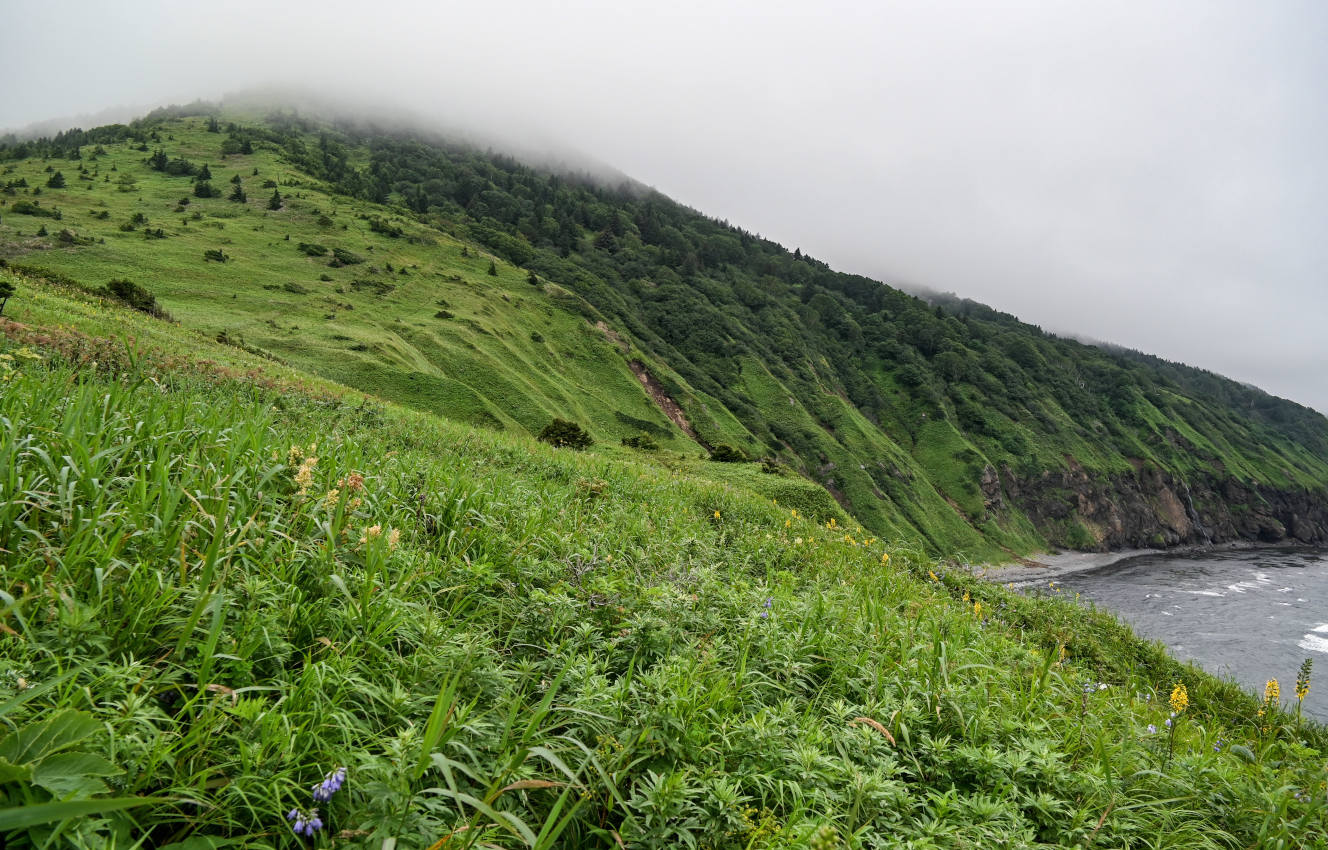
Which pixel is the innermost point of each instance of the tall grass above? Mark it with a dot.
(511, 646)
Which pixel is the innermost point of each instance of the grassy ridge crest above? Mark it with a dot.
(471, 285)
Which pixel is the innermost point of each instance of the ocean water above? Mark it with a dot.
(1251, 614)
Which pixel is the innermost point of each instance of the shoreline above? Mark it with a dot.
(1051, 566)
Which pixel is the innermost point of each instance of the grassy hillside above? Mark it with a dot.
(224, 580)
(470, 285)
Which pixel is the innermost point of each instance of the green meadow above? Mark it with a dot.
(225, 579)
(470, 286)
(413, 316)
(283, 564)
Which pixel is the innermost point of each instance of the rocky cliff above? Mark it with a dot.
(1151, 507)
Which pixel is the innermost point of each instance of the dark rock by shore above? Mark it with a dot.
(1149, 508)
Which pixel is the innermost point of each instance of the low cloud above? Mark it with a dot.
(1148, 174)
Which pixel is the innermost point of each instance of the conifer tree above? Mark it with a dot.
(274, 203)
(6, 292)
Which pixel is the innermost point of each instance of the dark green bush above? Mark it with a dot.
(132, 295)
(728, 454)
(377, 225)
(215, 255)
(645, 442)
(69, 237)
(33, 208)
(564, 434)
(312, 249)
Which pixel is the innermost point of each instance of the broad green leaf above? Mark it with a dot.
(35, 741)
(73, 774)
(22, 817)
(10, 772)
(1244, 752)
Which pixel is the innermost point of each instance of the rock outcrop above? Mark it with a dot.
(1150, 507)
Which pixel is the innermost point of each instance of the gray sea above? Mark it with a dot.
(1251, 614)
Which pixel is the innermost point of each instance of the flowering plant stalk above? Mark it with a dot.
(1180, 700)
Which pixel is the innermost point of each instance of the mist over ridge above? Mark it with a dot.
(1147, 176)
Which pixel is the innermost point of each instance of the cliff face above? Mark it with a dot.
(1154, 508)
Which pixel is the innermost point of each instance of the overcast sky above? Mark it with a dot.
(1153, 174)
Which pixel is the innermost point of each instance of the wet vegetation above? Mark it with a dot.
(930, 422)
(243, 606)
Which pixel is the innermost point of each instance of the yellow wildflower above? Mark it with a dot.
(931, 573)
(1180, 698)
(885, 557)
(1303, 678)
(716, 514)
(977, 609)
(1272, 692)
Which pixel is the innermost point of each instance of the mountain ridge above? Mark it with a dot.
(953, 424)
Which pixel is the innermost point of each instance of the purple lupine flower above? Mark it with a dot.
(330, 785)
(1152, 728)
(1217, 746)
(769, 601)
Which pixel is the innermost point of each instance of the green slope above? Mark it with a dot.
(950, 425)
(508, 645)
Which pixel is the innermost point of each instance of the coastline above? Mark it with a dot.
(1054, 565)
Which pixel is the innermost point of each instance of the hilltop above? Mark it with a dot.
(282, 563)
(474, 286)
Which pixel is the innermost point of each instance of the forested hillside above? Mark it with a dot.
(472, 285)
(241, 606)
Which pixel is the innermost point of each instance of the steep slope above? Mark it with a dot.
(954, 425)
(224, 584)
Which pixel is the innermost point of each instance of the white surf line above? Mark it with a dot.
(1259, 580)
(1314, 643)
(1323, 628)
